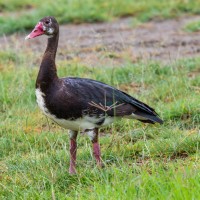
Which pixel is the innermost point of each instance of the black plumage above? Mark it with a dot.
(81, 104)
(71, 98)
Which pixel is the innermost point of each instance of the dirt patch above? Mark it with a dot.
(177, 155)
(136, 87)
(114, 43)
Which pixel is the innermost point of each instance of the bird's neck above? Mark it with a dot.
(48, 72)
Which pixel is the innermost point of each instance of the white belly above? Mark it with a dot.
(83, 123)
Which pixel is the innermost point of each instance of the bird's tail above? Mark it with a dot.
(147, 118)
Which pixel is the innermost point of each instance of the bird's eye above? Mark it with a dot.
(47, 22)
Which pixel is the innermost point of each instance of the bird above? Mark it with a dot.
(81, 104)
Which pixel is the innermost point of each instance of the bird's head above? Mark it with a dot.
(46, 26)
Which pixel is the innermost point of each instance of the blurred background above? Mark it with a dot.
(147, 48)
(26, 12)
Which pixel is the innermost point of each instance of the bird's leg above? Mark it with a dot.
(93, 134)
(73, 149)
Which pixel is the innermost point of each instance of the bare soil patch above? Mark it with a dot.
(113, 43)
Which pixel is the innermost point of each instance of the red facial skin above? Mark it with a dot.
(37, 31)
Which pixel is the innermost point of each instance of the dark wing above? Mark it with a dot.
(97, 98)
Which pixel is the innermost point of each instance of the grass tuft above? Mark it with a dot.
(141, 161)
(192, 26)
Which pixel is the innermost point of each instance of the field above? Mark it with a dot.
(149, 49)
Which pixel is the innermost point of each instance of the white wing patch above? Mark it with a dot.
(40, 101)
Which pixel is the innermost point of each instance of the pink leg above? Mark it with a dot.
(97, 153)
(73, 149)
(96, 147)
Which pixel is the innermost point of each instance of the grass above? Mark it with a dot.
(193, 26)
(21, 15)
(142, 162)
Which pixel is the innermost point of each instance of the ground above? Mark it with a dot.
(110, 42)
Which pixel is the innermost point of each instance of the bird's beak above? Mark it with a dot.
(37, 31)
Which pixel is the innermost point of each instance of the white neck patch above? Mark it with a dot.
(50, 31)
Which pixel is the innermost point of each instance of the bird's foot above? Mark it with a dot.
(72, 170)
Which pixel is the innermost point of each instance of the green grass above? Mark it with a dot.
(193, 26)
(22, 15)
(142, 162)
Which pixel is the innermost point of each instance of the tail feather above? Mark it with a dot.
(147, 121)
(155, 119)
(148, 118)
